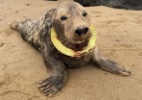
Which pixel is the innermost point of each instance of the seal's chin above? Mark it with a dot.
(79, 42)
(80, 48)
(76, 46)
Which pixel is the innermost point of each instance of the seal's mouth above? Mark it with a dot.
(60, 46)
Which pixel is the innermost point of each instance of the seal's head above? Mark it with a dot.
(71, 23)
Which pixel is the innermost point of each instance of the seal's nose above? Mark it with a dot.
(81, 31)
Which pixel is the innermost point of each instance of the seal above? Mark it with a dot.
(66, 39)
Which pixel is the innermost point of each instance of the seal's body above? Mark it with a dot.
(71, 23)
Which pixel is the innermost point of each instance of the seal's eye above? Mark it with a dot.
(63, 18)
(84, 14)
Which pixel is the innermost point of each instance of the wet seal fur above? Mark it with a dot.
(71, 23)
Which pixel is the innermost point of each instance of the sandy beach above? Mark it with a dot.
(119, 38)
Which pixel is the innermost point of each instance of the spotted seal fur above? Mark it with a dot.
(71, 23)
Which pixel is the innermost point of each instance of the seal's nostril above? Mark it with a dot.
(78, 31)
(86, 30)
(81, 31)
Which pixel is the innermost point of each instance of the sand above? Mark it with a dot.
(22, 67)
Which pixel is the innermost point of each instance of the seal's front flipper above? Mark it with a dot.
(51, 85)
(57, 79)
(109, 65)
